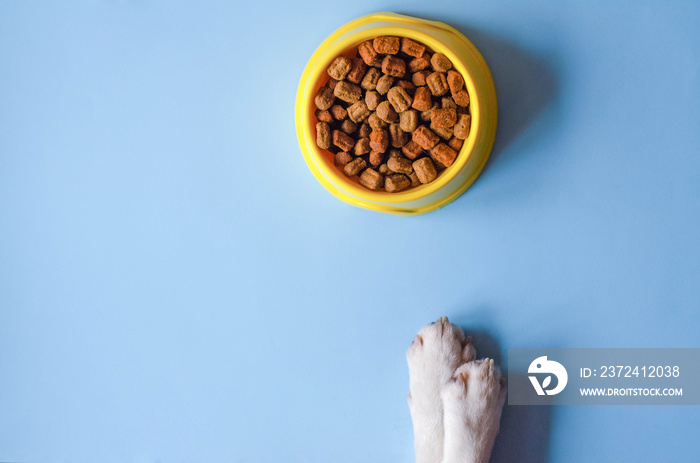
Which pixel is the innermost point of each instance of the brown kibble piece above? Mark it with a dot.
(348, 126)
(365, 130)
(339, 68)
(341, 158)
(408, 120)
(323, 135)
(383, 169)
(386, 45)
(399, 99)
(412, 48)
(338, 112)
(422, 99)
(384, 84)
(418, 64)
(400, 165)
(445, 133)
(358, 68)
(331, 83)
(323, 116)
(324, 98)
(358, 111)
(463, 126)
(371, 179)
(398, 136)
(376, 158)
(393, 66)
(387, 113)
(379, 140)
(448, 102)
(350, 93)
(372, 99)
(461, 98)
(406, 85)
(418, 78)
(440, 62)
(443, 118)
(455, 143)
(439, 167)
(395, 183)
(369, 81)
(354, 167)
(375, 122)
(367, 52)
(437, 83)
(443, 154)
(425, 170)
(412, 150)
(455, 81)
(362, 146)
(425, 137)
(342, 140)
(414, 179)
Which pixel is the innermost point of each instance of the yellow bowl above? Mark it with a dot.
(466, 59)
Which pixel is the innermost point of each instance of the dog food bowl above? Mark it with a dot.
(466, 59)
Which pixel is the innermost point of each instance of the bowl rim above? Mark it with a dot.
(346, 39)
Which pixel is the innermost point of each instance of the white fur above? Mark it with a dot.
(455, 401)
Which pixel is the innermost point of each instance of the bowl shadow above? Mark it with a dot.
(525, 85)
(525, 430)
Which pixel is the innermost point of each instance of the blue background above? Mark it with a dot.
(176, 286)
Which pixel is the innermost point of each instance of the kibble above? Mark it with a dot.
(425, 137)
(386, 45)
(396, 182)
(342, 140)
(348, 92)
(440, 62)
(384, 84)
(354, 167)
(386, 112)
(342, 158)
(324, 98)
(443, 154)
(358, 68)
(339, 68)
(371, 179)
(323, 135)
(437, 83)
(358, 112)
(400, 165)
(379, 140)
(399, 99)
(463, 126)
(425, 170)
(394, 115)
(422, 99)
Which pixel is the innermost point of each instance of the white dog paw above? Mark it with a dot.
(472, 401)
(433, 357)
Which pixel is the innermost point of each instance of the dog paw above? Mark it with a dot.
(472, 401)
(433, 357)
(435, 353)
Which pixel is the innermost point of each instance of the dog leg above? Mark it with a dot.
(473, 401)
(433, 357)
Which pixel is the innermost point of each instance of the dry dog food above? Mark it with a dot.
(394, 113)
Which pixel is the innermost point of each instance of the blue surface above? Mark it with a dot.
(176, 286)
